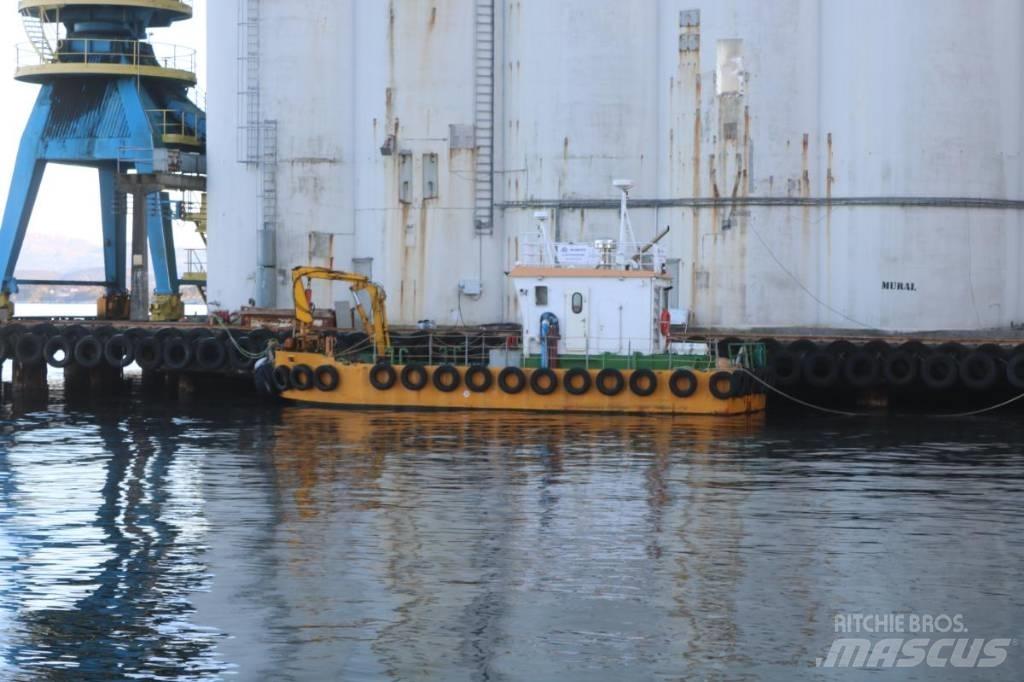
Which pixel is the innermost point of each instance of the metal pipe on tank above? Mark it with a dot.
(266, 275)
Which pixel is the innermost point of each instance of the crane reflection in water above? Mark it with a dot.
(104, 525)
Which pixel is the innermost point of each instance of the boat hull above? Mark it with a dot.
(355, 390)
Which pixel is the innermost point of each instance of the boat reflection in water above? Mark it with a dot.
(299, 543)
(530, 545)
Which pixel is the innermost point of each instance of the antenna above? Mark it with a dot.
(542, 230)
(626, 238)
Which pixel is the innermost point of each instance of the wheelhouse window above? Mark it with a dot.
(540, 295)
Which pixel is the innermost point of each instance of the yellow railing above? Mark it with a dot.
(100, 52)
(175, 123)
(195, 265)
(26, 5)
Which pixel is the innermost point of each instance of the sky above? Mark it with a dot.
(68, 205)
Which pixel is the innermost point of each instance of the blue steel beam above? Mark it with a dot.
(159, 228)
(115, 231)
(28, 174)
(135, 105)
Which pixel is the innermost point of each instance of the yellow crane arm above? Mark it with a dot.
(377, 327)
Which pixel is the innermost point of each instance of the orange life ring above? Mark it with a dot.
(666, 322)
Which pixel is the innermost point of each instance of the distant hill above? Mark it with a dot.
(61, 258)
(44, 253)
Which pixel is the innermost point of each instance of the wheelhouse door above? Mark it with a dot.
(577, 316)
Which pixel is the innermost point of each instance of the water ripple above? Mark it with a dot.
(293, 544)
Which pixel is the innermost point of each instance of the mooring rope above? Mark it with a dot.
(827, 410)
(982, 410)
(247, 354)
(844, 413)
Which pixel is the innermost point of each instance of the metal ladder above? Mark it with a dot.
(268, 175)
(483, 112)
(35, 29)
(249, 82)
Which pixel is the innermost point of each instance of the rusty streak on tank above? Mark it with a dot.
(805, 175)
(746, 148)
(828, 176)
(715, 193)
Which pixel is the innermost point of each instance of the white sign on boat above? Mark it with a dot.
(576, 254)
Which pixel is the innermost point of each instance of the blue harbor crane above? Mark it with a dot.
(114, 101)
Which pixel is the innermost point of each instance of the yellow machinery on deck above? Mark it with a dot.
(375, 324)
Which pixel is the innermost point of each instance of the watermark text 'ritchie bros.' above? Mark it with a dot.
(908, 640)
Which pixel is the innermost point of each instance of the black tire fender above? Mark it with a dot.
(235, 357)
(302, 377)
(210, 353)
(512, 380)
(715, 385)
(820, 369)
(28, 350)
(577, 381)
(612, 375)
(281, 378)
(452, 383)
(939, 371)
(478, 378)
(1015, 371)
(149, 353)
(900, 368)
(259, 339)
(543, 381)
(119, 351)
(787, 368)
(414, 377)
(177, 353)
(683, 383)
(89, 352)
(383, 376)
(58, 344)
(861, 369)
(643, 382)
(978, 371)
(326, 378)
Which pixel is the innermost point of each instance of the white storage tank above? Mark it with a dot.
(342, 135)
(821, 164)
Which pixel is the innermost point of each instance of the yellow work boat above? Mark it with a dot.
(316, 379)
(595, 336)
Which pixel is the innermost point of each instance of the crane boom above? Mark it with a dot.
(377, 326)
